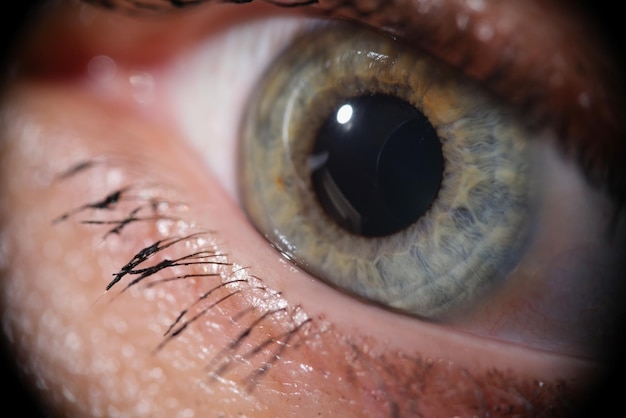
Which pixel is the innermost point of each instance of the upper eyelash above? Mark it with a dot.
(156, 6)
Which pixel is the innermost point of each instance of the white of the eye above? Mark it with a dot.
(208, 87)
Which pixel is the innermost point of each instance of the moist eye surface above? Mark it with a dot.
(384, 173)
(376, 165)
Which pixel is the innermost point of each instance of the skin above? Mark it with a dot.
(277, 342)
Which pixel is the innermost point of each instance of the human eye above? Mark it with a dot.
(137, 279)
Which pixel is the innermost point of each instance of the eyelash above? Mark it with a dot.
(141, 8)
(108, 211)
(297, 329)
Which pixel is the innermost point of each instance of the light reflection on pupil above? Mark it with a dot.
(377, 165)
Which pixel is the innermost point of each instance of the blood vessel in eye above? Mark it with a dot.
(377, 165)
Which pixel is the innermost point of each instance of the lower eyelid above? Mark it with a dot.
(346, 339)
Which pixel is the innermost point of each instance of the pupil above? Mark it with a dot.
(377, 165)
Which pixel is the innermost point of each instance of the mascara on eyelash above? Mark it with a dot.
(171, 329)
(230, 287)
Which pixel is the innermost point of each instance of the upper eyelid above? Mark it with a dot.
(555, 71)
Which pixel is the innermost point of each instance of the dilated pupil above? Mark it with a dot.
(377, 165)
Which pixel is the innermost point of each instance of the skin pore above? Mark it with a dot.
(98, 186)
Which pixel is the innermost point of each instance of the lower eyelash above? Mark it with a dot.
(191, 256)
(404, 383)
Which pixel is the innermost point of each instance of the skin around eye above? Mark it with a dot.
(67, 182)
(100, 354)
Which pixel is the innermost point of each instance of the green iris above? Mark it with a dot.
(472, 233)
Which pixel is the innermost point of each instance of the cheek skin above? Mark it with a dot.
(322, 352)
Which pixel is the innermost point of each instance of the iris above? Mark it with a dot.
(385, 173)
